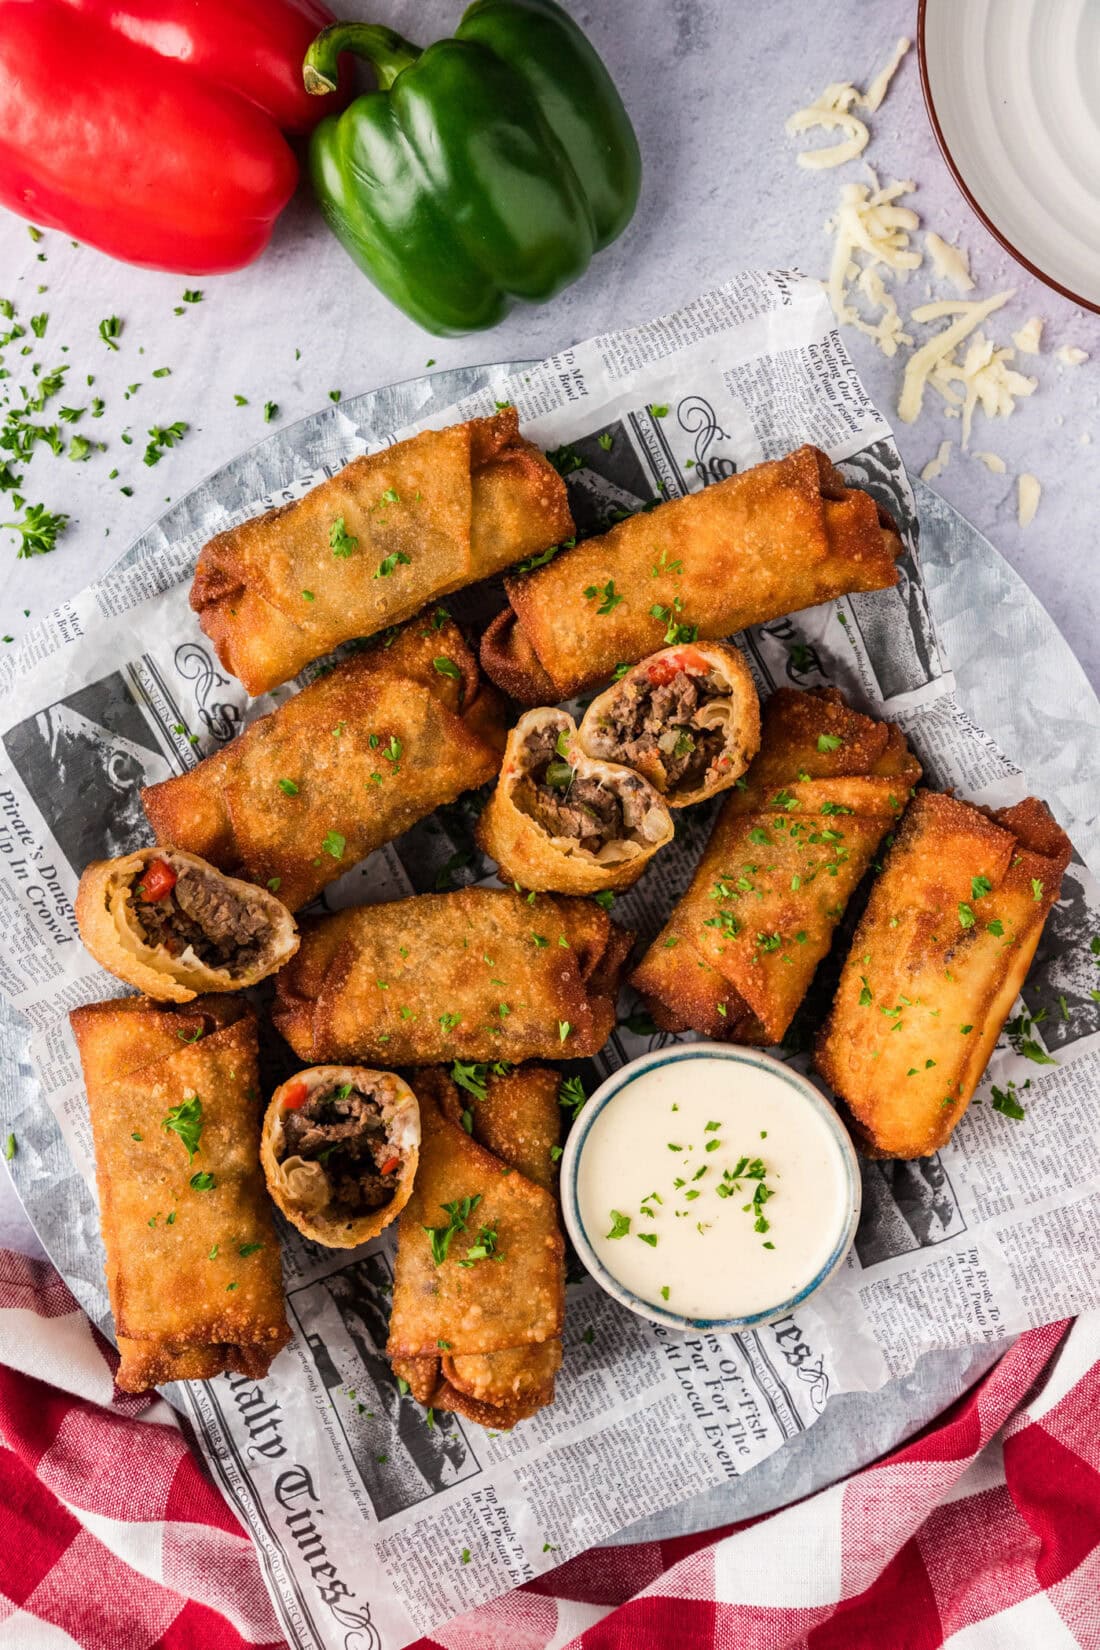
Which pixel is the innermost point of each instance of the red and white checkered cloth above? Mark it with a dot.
(984, 1534)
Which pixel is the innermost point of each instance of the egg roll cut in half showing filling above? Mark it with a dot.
(170, 924)
(340, 1148)
(687, 718)
(566, 822)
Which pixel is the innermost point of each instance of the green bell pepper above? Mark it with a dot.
(485, 169)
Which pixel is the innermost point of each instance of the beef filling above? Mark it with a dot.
(342, 1129)
(648, 718)
(565, 802)
(223, 928)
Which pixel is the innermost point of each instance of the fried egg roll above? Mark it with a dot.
(688, 718)
(372, 545)
(781, 536)
(566, 822)
(170, 924)
(192, 1260)
(342, 767)
(737, 955)
(339, 1151)
(936, 964)
(479, 1283)
(479, 974)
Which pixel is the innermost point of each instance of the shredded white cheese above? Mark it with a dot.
(832, 112)
(880, 85)
(987, 381)
(970, 314)
(936, 466)
(1028, 493)
(992, 461)
(869, 220)
(950, 263)
(887, 331)
(1028, 337)
(1071, 355)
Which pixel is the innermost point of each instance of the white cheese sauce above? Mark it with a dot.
(728, 1189)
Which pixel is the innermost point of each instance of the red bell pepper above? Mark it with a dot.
(153, 129)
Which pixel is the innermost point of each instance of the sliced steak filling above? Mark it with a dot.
(224, 928)
(655, 727)
(343, 1130)
(565, 802)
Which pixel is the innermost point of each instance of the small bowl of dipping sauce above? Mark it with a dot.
(707, 1186)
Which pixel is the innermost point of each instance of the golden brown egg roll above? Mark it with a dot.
(192, 1260)
(779, 537)
(688, 718)
(563, 822)
(342, 767)
(737, 955)
(479, 974)
(339, 1151)
(479, 1294)
(936, 964)
(170, 924)
(372, 545)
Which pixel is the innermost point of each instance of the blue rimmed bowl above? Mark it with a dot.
(607, 1093)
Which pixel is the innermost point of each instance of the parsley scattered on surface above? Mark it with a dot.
(161, 437)
(343, 543)
(271, 410)
(447, 667)
(9, 1148)
(459, 1212)
(110, 330)
(186, 1121)
(204, 1182)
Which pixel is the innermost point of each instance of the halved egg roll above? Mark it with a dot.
(688, 718)
(192, 1259)
(479, 1296)
(339, 1151)
(173, 926)
(479, 974)
(936, 965)
(781, 536)
(342, 767)
(566, 822)
(737, 955)
(369, 547)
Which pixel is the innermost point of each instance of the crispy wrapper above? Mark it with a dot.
(688, 718)
(319, 1185)
(374, 544)
(109, 915)
(479, 974)
(483, 1339)
(565, 822)
(193, 1273)
(737, 955)
(371, 747)
(936, 964)
(780, 537)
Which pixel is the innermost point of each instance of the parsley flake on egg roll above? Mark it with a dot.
(564, 822)
(192, 1260)
(781, 536)
(738, 952)
(936, 964)
(383, 537)
(173, 926)
(478, 974)
(342, 767)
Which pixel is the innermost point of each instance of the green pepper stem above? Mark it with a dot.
(382, 47)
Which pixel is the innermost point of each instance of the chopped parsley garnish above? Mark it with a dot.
(996, 927)
(397, 558)
(564, 1028)
(334, 844)
(659, 410)
(609, 597)
(440, 1236)
(288, 787)
(1006, 1102)
(605, 898)
(980, 887)
(193, 295)
(447, 667)
(1036, 889)
(186, 1121)
(647, 1237)
(203, 1182)
(605, 441)
(162, 436)
(620, 1224)
(571, 1095)
(247, 1249)
(342, 543)
(485, 1247)
(110, 330)
(829, 741)
(966, 915)
(271, 410)
(9, 1148)
(38, 531)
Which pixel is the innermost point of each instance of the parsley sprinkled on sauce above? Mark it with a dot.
(341, 542)
(186, 1121)
(620, 1224)
(647, 1237)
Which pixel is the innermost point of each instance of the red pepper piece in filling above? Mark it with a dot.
(157, 882)
(295, 1096)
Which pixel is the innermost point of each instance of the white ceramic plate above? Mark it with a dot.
(1013, 93)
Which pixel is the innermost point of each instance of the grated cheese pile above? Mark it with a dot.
(832, 111)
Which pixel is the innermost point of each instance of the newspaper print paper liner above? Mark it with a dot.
(759, 405)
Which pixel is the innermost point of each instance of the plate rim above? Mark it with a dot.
(1091, 304)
